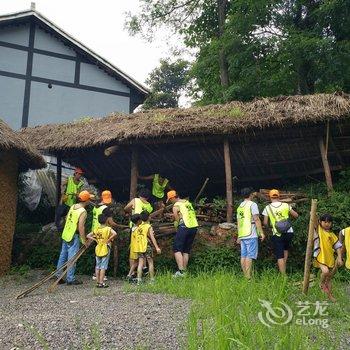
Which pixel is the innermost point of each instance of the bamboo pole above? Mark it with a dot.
(46, 278)
(133, 173)
(201, 190)
(326, 167)
(228, 173)
(309, 246)
(115, 257)
(70, 264)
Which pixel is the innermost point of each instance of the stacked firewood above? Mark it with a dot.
(285, 196)
(210, 212)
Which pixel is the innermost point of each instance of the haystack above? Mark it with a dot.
(16, 155)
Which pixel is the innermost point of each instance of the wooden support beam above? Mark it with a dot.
(58, 179)
(133, 173)
(326, 167)
(228, 173)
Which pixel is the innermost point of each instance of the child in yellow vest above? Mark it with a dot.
(142, 244)
(326, 243)
(103, 236)
(344, 238)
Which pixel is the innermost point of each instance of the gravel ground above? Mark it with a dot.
(83, 317)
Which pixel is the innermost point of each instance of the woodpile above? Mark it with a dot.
(285, 196)
(209, 212)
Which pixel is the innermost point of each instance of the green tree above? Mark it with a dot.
(167, 82)
(252, 48)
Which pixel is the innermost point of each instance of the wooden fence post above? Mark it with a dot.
(58, 178)
(228, 174)
(326, 167)
(309, 246)
(133, 173)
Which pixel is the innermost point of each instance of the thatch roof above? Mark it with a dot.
(229, 119)
(29, 158)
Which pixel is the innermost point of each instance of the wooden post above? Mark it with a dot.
(309, 246)
(228, 173)
(58, 179)
(133, 173)
(115, 257)
(327, 170)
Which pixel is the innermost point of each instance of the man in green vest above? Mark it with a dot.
(69, 189)
(249, 229)
(278, 214)
(185, 221)
(74, 233)
(159, 186)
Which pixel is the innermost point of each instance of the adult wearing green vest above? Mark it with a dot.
(159, 186)
(185, 221)
(278, 214)
(249, 228)
(73, 233)
(69, 189)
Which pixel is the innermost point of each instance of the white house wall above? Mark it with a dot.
(45, 104)
(44, 81)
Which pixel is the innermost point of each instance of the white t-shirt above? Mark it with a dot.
(275, 205)
(255, 211)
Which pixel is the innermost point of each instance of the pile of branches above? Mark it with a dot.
(285, 196)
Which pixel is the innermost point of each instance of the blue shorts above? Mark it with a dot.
(102, 262)
(249, 248)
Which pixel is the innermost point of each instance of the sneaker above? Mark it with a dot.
(178, 274)
(145, 271)
(61, 281)
(74, 283)
(102, 285)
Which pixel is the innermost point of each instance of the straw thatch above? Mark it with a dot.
(28, 157)
(229, 119)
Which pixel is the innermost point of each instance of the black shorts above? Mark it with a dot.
(282, 243)
(184, 239)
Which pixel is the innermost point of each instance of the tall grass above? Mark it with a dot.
(225, 308)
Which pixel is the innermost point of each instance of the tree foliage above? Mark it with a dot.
(167, 82)
(252, 48)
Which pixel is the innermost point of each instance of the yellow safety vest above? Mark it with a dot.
(157, 188)
(280, 213)
(244, 219)
(96, 212)
(188, 214)
(102, 234)
(71, 225)
(141, 233)
(347, 246)
(72, 191)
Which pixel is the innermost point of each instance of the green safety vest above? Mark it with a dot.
(139, 207)
(188, 214)
(157, 188)
(71, 225)
(96, 212)
(280, 213)
(72, 191)
(244, 219)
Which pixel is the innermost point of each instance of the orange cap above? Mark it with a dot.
(171, 194)
(85, 196)
(106, 197)
(78, 171)
(274, 193)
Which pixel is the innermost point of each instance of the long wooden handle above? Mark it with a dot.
(71, 262)
(45, 279)
(309, 246)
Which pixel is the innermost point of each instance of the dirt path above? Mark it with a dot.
(83, 317)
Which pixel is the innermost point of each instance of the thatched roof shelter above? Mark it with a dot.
(270, 139)
(28, 157)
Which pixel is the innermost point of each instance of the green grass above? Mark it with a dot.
(225, 308)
